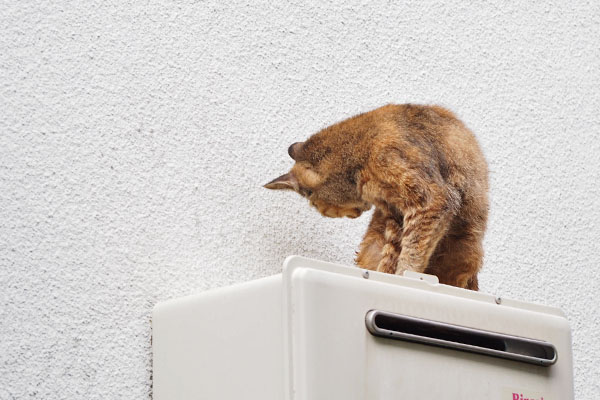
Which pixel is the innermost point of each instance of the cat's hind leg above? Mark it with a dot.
(457, 260)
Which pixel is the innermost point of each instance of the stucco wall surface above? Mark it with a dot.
(135, 137)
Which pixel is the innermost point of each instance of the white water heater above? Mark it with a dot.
(322, 331)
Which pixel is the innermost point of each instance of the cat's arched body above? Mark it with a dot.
(425, 174)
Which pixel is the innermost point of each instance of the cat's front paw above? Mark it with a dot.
(400, 270)
(388, 264)
(334, 211)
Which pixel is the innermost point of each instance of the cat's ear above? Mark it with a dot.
(294, 150)
(287, 181)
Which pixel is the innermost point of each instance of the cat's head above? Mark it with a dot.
(326, 174)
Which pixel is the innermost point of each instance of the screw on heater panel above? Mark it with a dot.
(365, 274)
(498, 300)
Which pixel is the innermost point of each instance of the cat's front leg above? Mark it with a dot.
(392, 249)
(370, 251)
(423, 207)
(380, 247)
(424, 227)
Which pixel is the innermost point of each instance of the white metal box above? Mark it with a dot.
(322, 331)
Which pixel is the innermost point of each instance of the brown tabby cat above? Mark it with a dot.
(424, 172)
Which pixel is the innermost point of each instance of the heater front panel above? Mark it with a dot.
(335, 356)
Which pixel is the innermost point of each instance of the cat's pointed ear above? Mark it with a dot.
(287, 181)
(294, 150)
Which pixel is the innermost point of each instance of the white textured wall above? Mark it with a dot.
(135, 137)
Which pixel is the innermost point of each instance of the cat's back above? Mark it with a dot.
(437, 138)
(433, 125)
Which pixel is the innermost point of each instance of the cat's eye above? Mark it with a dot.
(306, 192)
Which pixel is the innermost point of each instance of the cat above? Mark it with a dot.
(424, 172)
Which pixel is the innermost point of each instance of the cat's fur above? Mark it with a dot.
(424, 172)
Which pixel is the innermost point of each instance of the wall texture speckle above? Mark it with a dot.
(135, 137)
